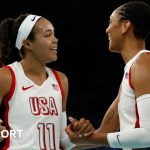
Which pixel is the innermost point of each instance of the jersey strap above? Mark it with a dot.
(58, 80)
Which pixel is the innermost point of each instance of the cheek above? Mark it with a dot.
(39, 49)
(41, 46)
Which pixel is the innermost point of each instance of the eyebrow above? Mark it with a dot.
(51, 30)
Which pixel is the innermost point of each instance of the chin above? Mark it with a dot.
(114, 51)
(52, 60)
(110, 49)
(55, 58)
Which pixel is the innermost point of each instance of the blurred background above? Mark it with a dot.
(93, 72)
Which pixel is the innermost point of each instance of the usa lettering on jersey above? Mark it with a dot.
(43, 106)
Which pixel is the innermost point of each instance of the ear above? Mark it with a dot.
(125, 26)
(26, 44)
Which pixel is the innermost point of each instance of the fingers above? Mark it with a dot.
(71, 119)
(1, 128)
(74, 123)
(72, 135)
(78, 126)
(1, 121)
(90, 130)
(69, 130)
(83, 127)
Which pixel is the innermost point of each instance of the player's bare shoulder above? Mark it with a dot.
(5, 82)
(63, 78)
(64, 82)
(140, 74)
(142, 65)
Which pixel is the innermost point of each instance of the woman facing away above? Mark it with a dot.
(33, 96)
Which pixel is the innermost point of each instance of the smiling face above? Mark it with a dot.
(114, 32)
(44, 46)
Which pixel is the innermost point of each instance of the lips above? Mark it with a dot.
(53, 49)
(109, 37)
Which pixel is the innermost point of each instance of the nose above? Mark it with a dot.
(55, 39)
(106, 30)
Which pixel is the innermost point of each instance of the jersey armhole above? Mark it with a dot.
(58, 80)
(130, 82)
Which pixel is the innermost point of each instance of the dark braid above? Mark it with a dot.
(8, 34)
(138, 13)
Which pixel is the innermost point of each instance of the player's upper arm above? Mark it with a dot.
(5, 82)
(140, 75)
(64, 82)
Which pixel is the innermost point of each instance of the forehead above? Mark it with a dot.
(43, 25)
(115, 15)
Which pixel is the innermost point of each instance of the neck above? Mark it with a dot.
(131, 49)
(32, 67)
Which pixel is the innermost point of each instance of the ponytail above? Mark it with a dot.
(5, 39)
(8, 33)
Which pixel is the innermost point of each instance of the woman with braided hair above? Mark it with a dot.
(126, 124)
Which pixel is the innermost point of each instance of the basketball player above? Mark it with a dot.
(126, 124)
(33, 96)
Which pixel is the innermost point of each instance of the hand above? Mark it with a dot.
(82, 127)
(1, 128)
(73, 135)
(79, 130)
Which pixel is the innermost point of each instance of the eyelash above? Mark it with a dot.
(48, 35)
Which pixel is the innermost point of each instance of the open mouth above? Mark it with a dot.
(53, 49)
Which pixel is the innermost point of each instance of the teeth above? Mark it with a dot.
(54, 48)
(109, 39)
